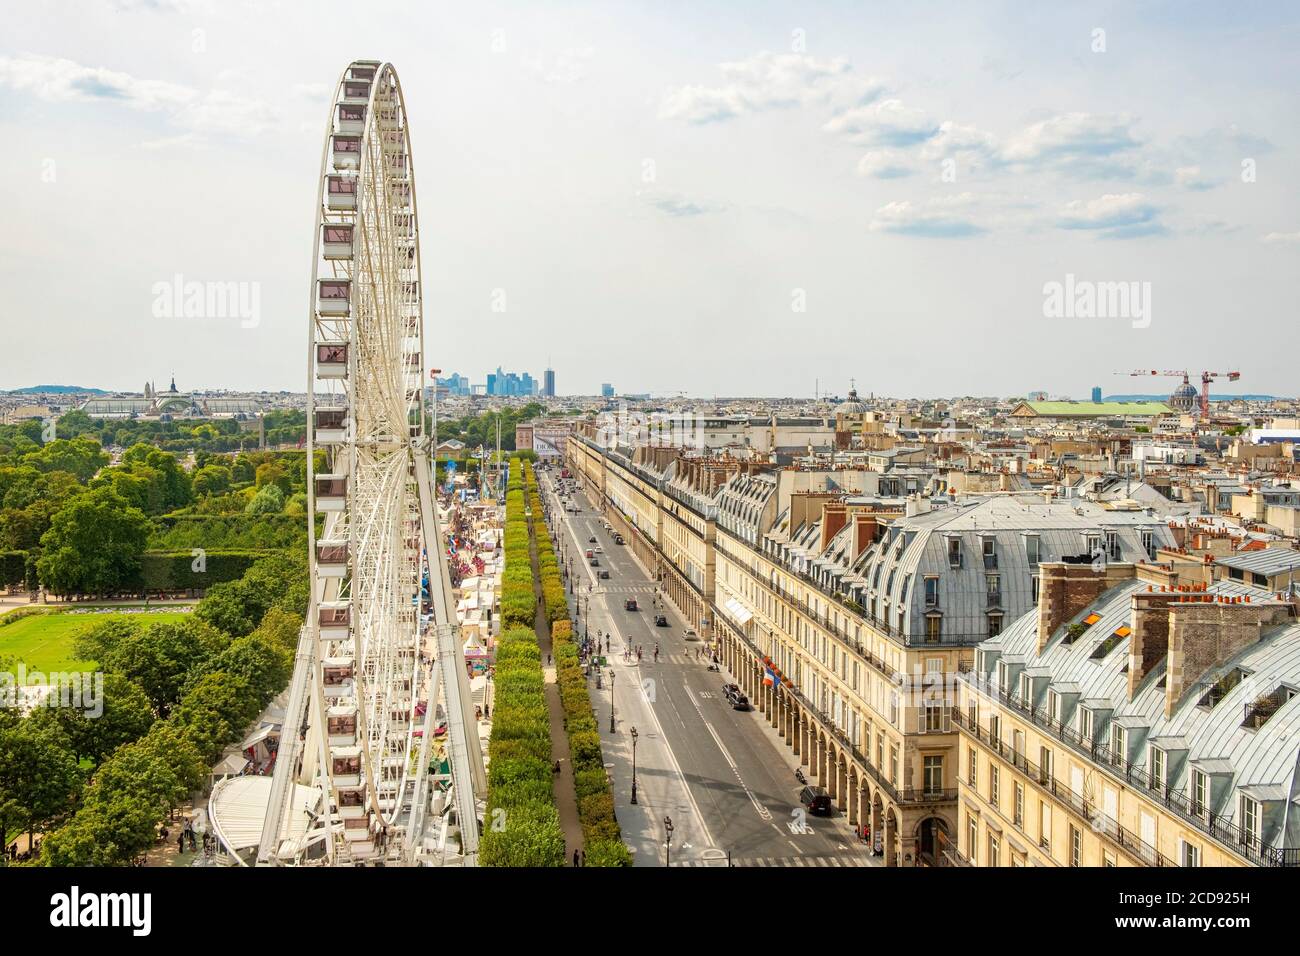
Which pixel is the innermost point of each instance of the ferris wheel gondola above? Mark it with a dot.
(366, 418)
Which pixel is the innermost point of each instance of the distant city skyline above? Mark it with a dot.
(710, 202)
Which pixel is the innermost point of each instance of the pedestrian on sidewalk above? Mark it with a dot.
(575, 857)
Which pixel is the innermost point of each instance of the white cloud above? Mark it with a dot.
(1190, 177)
(58, 80)
(886, 164)
(1087, 145)
(1282, 238)
(888, 123)
(942, 217)
(768, 81)
(1114, 215)
(677, 205)
(965, 143)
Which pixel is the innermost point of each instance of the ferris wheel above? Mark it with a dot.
(375, 564)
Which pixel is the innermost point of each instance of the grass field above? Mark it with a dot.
(44, 642)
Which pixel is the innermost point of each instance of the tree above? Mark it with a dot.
(269, 500)
(177, 491)
(259, 663)
(93, 545)
(273, 473)
(127, 716)
(80, 456)
(280, 629)
(38, 775)
(242, 470)
(94, 643)
(215, 712)
(212, 480)
(223, 607)
(112, 832)
(162, 657)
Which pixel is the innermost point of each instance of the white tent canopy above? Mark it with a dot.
(238, 810)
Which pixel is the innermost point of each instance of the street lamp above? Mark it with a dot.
(633, 754)
(611, 722)
(668, 841)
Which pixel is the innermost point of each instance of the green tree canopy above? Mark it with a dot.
(93, 545)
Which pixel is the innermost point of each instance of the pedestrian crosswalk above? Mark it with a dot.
(628, 588)
(807, 862)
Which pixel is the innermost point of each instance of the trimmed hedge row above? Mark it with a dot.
(14, 569)
(602, 837)
(176, 570)
(522, 825)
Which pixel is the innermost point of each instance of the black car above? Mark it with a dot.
(595, 562)
(631, 605)
(661, 621)
(592, 539)
(735, 698)
(816, 801)
(603, 575)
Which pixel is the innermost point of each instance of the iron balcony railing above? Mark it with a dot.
(1245, 844)
(900, 796)
(1123, 838)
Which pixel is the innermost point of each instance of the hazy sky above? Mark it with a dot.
(729, 198)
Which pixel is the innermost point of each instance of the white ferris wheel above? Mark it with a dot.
(380, 650)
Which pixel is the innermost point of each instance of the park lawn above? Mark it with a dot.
(45, 642)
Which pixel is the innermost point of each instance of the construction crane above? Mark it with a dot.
(1206, 379)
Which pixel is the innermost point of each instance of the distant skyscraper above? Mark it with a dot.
(548, 386)
(607, 390)
(1096, 393)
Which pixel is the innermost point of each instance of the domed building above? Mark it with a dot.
(851, 406)
(1185, 398)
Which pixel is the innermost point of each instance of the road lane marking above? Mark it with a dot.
(762, 810)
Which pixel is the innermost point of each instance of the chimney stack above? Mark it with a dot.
(1204, 633)
(1066, 589)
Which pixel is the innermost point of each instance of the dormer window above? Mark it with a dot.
(1085, 724)
(954, 553)
(1200, 793)
(1033, 546)
(1026, 690)
(1112, 545)
(989, 548)
(932, 591)
(1248, 812)
(1158, 767)
(1263, 708)
(1053, 706)
(1118, 745)
(1109, 644)
(1222, 687)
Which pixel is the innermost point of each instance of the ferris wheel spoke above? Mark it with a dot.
(365, 408)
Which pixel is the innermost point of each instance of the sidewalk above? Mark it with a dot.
(566, 796)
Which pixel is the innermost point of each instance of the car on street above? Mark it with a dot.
(661, 621)
(595, 562)
(604, 575)
(735, 698)
(618, 539)
(816, 801)
(592, 539)
(690, 635)
(590, 553)
(630, 605)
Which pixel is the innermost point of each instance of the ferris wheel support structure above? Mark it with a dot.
(370, 654)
